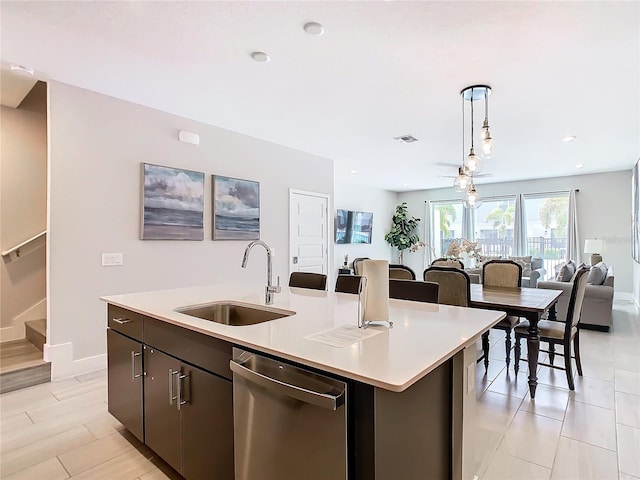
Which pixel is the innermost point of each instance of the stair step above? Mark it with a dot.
(36, 332)
(21, 365)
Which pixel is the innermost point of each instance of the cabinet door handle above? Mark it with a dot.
(180, 401)
(122, 320)
(172, 374)
(134, 354)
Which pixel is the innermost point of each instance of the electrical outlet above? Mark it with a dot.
(111, 259)
(471, 377)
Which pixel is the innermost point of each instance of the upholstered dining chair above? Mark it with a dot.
(455, 285)
(348, 283)
(357, 265)
(448, 262)
(401, 272)
(501, 273)
(315, 281)
(562, 332)
(413, 290)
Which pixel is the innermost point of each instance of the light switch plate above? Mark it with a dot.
(111, 259)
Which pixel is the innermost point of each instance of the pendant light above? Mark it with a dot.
(472, 163)
(462, 181)
(487, 141)
(473, 198)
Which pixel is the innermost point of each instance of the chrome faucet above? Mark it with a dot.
(269, 289)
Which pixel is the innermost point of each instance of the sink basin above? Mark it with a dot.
(234, 313)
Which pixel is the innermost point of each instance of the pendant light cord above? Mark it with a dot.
(471, 118)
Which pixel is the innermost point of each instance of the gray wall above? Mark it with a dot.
(604, 211)
(23, 202)
(97, 144)
(382, 203)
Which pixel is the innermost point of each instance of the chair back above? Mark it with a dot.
(455, 285)
(448, 262)
(315, 281)
(501, 273)
(348, 283)
(574, 309)
(413, 290)
(357, 265)
(401, 272)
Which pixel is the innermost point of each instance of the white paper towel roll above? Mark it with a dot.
(376, 293)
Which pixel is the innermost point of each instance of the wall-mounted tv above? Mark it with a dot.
(353, 226)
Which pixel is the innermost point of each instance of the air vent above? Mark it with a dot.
(406, 139)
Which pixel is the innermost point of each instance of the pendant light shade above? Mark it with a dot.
(473, 163)
(462, 181)
(473, 199)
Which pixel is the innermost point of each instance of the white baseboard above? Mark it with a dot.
(64, 366)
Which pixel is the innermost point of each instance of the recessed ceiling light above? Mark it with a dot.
(406, 138)
(21, 69)
(313, 28)
(569, 138)
(580, 165)
(260, 57)
(353, 172)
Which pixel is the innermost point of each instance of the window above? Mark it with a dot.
(547, 219)
(446, 224)
(494, 223)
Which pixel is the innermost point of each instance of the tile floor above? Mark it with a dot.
(62, 430)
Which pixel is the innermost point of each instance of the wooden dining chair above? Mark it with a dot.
(563, 332)
(348, 283)
(413, 290)
(315, 281)
(455, 285)
(501, 273)
(448, 262)
(401, 272)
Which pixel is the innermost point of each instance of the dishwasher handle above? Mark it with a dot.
(323, 400)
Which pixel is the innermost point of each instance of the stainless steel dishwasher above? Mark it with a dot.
(289, 423)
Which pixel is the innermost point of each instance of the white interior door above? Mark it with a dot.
(308, 232)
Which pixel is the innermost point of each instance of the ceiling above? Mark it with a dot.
(380, 70)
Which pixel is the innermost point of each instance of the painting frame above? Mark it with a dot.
(236, 208)
(172, 203)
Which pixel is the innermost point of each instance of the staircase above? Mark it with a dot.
(21, 363)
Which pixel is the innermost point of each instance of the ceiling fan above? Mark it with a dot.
(475, 175)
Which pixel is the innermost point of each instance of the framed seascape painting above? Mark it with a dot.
(172, 203)
(236, 208)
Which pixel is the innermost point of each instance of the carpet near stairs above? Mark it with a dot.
(21, 362)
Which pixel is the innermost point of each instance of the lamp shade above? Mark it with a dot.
(593, 245)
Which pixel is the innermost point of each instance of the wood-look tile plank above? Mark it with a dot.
(68, 405)
(39, 451)
(104, 425)
(126, 466)
(50, 469)
(94, 453)
(18, 354)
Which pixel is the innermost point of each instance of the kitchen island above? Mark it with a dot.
(410, 386)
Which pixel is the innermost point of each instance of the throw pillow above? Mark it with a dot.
(566, 272)
(525, 263)
(597, 274)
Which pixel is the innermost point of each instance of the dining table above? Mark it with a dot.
(530, 303)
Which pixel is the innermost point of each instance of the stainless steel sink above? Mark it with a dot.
(234, 313)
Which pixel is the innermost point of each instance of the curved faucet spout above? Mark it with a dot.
(269, 290)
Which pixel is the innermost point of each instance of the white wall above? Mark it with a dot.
(350, 196)
(97, 144)
(604, 211)
(22, 212)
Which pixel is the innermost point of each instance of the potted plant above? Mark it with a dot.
(402, 234)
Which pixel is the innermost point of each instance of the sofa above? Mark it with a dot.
(598, 297)
(532, 269)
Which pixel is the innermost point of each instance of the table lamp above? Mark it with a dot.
(594, 247)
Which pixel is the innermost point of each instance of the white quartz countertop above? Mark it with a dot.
(424, 335)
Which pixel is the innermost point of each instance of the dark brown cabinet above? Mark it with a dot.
(124, 358)
(171, 387)
(188, 417)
